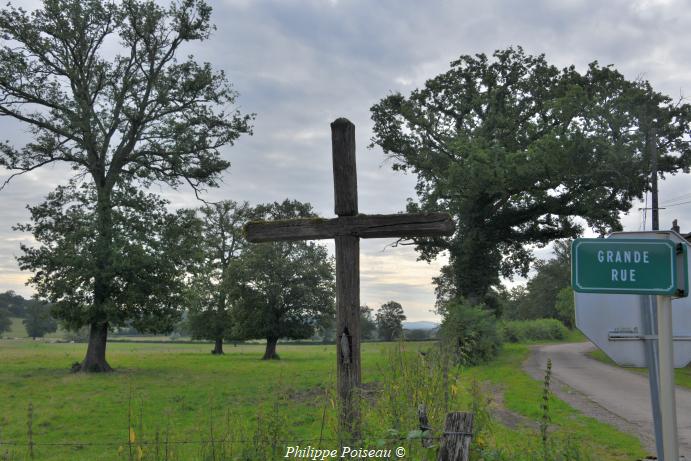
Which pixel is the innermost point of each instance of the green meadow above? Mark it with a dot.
(179, 402)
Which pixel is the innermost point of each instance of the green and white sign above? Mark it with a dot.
(628, 266)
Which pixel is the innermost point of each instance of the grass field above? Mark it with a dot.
(17, 330)
(182, 392)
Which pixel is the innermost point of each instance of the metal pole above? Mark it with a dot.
(667, 401)
(649, 324)
(650, 310)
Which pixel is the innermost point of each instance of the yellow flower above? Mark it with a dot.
(133, 436)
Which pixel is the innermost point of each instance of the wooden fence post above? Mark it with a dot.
(424, 425)
(455, 441)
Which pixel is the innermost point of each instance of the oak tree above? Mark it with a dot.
(284, 288)
(223, 242)
(38, 320)
(153, 250)
(517, 149)
(389, 320)
(101, 89)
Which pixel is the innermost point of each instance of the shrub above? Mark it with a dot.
(565, 308)
(516, 331)
(471, 331)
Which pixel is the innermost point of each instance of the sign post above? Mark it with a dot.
(668, 406)
(649, 266)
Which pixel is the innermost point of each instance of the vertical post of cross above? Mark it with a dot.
(347, 280)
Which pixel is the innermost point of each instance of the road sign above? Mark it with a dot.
(613, 322)
(625, 266)
(615, 280)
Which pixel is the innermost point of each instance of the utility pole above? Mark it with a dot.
(652, 146)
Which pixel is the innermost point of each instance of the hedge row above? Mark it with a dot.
(515, 331)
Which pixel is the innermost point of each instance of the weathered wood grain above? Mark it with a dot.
(347, 230)
(363, 226)
(344, 167)
(348, 335)
(458, 433)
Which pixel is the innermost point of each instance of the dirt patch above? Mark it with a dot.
(498, 410)
(317, 395)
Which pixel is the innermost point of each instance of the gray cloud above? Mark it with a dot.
(301, 64)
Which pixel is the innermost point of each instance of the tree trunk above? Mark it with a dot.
(270, 353)
(218, 347)
(95, 360)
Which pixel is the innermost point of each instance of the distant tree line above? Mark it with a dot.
(547, 294)
(36, 315)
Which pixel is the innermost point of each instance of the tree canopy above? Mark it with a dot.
(539, 298)
(389, 320)
(284, 288)
(101, 89)
(517, 149)
(153, 250)
(13, 303)
(368, 325)
(39, 320)
(222, 242)
(5, 321)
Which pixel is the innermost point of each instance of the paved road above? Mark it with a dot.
(610, 394)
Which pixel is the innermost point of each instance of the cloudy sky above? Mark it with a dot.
(300, 64)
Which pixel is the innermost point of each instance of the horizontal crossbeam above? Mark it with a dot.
(364, 226)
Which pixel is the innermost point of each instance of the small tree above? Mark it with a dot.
(223, 242)
(5, 321)
(390, 319)
(471, 332)
(39, 320)
(368, 326)
(100, 88)
(565, 307)
(538, 298)
(284, 288)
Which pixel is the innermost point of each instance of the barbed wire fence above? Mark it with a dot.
(424, 435)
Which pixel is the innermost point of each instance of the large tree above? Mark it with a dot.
(284, 288)
(99, 86)
(223, 241)
(517, 149)
(153, 251)
(389, 320)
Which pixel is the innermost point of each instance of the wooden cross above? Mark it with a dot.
(347, 230)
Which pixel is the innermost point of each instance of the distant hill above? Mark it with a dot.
(422, 325)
